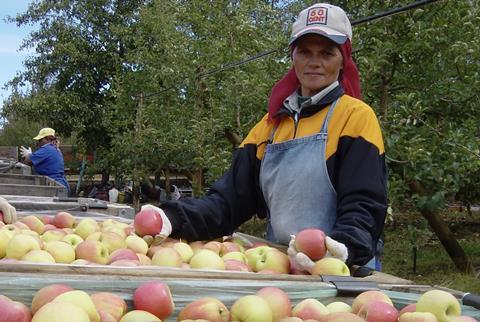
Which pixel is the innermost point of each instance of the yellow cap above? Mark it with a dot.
(44, 133)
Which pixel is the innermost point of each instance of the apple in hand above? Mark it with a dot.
(417, 317)
(47, 294)
(93, 251)
(310, 309)
(278, 300)
(154, 297)
(148, 222)
(330, 266)
(13, 311)
(207, 259)
(110, 303)
(367, 297)
(378, 311)
(207, 308)
(441, 303)
(139, 316)
(311, 242)
(61, 312)
(251, 308)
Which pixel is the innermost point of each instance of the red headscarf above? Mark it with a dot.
(349, 78)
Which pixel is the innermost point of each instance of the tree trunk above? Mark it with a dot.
(444, 234)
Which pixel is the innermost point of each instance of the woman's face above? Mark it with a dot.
(317, 61)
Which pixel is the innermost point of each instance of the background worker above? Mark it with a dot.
(47, 160)
(316, 159)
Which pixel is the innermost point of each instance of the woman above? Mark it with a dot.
(315, 160)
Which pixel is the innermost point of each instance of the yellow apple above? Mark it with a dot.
(54, 234)
(38, 256)
(72, 239)
(46, 294)
(110, 303)
(86, 227)
(251, 308)
(5, 236)
(110, 239)
(208, 259)
(61, 312)
(34, 223)
(330, 266)
(139, 316)
(20, 245)
(93, 251)
(137, 244)
(184, 249)
(82, 300)
(61, 251)
(167, 256)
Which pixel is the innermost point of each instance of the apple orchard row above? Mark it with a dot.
(65, 239)
(153, 301)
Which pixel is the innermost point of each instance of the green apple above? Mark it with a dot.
(207, 259)
(61, 312)
(82, 300)
(239, 256)
(440, 303)
(54, 234)
(251, 308)
(19, 245)
(61, 251)
(137, 244)
(72, 239)
(263, 258)
(330, 266)
(5, 236)
(417, 317)
(310, 308)
(38, 256)
(86, 227)
(139, 316)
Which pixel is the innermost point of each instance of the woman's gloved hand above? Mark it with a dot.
(166, 229)
(9, 211)
(304, 263)
(25, 151)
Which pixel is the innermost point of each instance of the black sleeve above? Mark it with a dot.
(232, 200)
(360, 177)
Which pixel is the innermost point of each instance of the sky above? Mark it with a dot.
(11, 59)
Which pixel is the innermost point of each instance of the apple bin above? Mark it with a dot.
(237, 289)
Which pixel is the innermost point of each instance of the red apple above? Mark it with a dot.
(412, 307)
(13, 311)
(378, 311)
(110, 303)
(63, 219)
(311, 242)
(148, 222)
(278, 300)
(122, 253)
(368, 296)
(125, 262)
(234, 265)
(207, 308)
(47, 294)
(92, 250)
(310, 309)
(154, 297)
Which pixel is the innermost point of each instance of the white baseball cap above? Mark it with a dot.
(323, 19)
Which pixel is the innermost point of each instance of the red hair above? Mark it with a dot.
(349, 78)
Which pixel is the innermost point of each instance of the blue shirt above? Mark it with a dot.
(48, 161)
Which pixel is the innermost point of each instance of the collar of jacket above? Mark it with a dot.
(312, 108)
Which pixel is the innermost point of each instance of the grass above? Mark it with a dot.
(433, 265)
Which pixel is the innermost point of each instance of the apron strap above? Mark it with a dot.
(329, 115)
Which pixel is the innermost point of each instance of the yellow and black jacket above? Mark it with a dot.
(355, 163)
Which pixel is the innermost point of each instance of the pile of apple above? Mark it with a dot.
(153, 301)
(63, 238)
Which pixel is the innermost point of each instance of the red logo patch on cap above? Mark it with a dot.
(317, 15)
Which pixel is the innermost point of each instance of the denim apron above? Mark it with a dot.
(296, 186)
